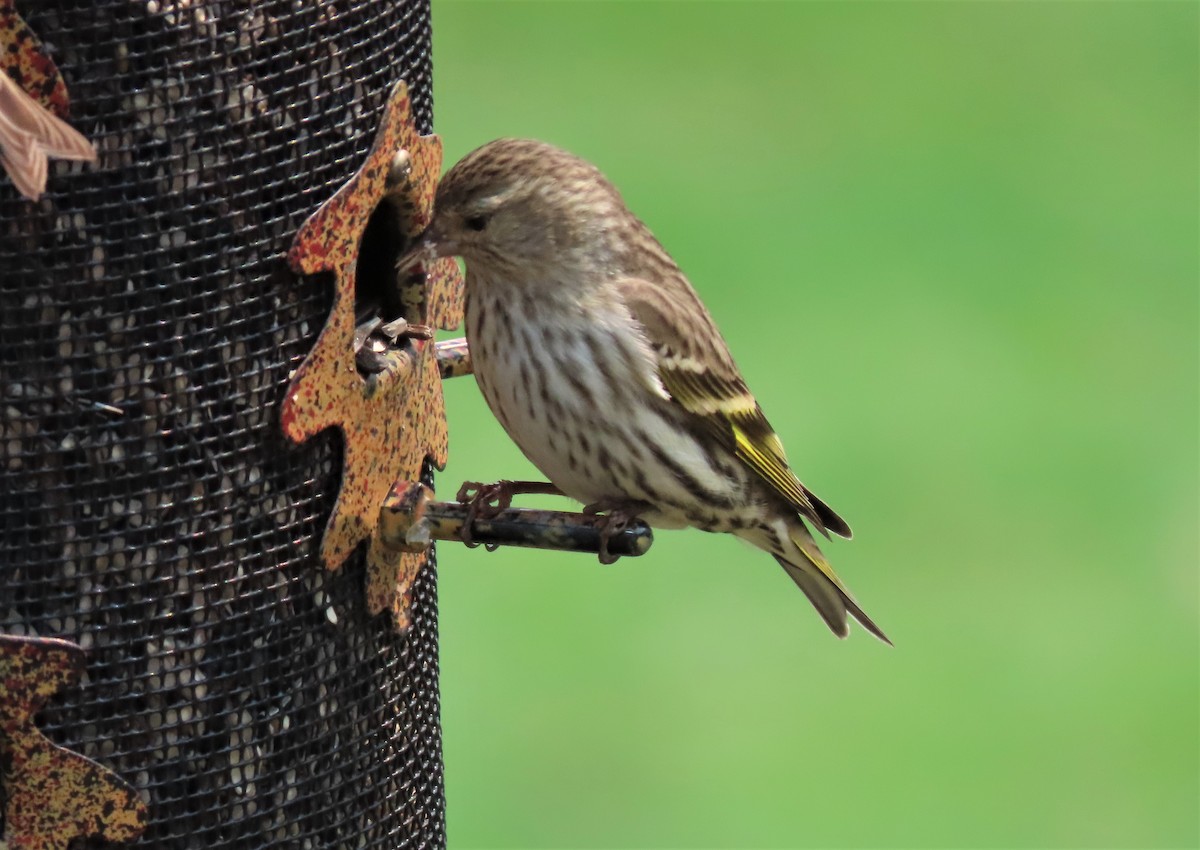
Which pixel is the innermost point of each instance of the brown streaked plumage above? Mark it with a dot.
(29, 134)
(603, 365)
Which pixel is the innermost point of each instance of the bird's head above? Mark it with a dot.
(518, 206)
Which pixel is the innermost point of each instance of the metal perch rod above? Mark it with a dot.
(529, 528)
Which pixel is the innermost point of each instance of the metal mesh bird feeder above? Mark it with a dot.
(151, 510)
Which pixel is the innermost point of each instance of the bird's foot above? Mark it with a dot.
(613, 517)
(486, 501)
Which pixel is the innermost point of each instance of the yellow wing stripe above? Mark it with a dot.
(699, 375)
(770, 467)
(731, 410)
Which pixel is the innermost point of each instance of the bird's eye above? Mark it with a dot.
(476, 222)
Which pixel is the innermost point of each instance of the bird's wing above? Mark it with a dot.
(698, 372)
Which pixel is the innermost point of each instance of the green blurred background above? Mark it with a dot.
(954, 248)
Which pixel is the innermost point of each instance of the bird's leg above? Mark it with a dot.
(488, 500)
(617, 515)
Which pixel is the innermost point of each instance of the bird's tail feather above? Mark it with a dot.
(812, 574)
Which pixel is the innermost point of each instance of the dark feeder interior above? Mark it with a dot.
(389, 304)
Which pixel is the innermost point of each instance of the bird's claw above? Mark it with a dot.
(490, 500)
(482, 500)
(487, 499)
(611, 520)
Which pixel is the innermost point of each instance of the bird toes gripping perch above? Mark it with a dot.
(487, 501)
(482, 515)
(612, 520)
(412, 519)
(610, 529)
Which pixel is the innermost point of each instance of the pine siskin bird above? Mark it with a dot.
(29, 133)
(602, 364)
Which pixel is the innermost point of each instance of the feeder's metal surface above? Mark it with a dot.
(151, 509)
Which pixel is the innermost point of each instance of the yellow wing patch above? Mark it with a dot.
(765, 457)
(698, 374)
(731, 411)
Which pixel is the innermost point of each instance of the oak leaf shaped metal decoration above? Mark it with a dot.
(52, 794)
(25, 60)
(393, 421)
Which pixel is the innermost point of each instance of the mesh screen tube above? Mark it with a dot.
(150, 509)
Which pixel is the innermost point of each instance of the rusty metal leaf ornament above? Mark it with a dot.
(395, 420)
(23, 58)
(53, 795)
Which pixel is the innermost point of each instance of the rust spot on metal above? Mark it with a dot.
(393, 420)
(53, 795)
(24, 58)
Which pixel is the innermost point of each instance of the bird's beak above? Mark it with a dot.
(428, 247)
